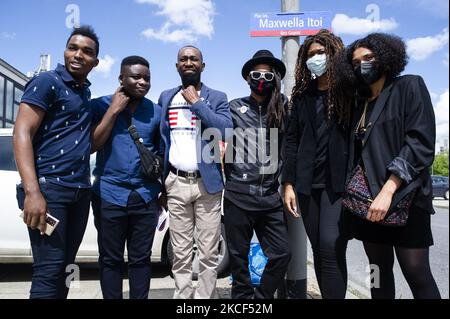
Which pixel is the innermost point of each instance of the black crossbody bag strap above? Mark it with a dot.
(133, 132)
(151, 164)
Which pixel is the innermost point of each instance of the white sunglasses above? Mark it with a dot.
(256, 75)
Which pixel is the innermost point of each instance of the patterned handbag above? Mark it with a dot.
(357, 200)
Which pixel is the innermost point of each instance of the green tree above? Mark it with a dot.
(440, 165)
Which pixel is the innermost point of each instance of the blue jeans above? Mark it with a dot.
(52, 254)
(134, 225)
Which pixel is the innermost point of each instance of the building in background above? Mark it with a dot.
(43, 66)
(12, 83)
(443, 146)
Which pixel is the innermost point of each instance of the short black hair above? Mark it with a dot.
(133, 60)
(193, 47)
(86, 31)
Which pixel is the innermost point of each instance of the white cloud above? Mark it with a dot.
(105, 65)
(166, 35)
(343, 24)
(186, 20)
(422, 48)
(434, 97)
(441, 111)
(9, 35)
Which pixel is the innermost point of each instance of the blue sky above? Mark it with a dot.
(156, 29)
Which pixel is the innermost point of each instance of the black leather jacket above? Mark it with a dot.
(248, 172)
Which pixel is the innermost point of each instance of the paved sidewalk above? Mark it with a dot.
(441, 203)
(15, 284)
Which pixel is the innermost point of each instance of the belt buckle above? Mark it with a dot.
(191, 175)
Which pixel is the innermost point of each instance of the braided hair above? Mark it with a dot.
(275, 107)
(337, 106)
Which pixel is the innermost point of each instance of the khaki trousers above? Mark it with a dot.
(192, 207)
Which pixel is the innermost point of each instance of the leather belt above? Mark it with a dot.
(179, 172)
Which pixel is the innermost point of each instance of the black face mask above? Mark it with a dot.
(261, 87)
(368, 72)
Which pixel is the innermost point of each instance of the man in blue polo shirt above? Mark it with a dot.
(124, 203)
(52, 147)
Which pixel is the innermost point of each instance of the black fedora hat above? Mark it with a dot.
(263, 57)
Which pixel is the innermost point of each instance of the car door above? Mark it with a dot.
(437, 186)
(89, 248)
(434, 182)
(14, 240)
(442, 186)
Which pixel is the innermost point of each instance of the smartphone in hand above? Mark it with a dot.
(51, 222)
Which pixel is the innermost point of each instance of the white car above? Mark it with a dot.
(14, 240)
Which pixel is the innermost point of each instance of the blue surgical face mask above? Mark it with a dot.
(317, 64)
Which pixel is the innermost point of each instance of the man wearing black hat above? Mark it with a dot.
(252, 167)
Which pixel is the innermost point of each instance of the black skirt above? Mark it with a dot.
(415, 234)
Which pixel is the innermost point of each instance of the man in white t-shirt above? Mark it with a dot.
(193, 183)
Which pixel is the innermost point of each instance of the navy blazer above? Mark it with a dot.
(213, 111)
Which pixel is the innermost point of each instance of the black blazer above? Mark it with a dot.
(301, 144)
(400, 140)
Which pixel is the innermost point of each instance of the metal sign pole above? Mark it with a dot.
(297, 271)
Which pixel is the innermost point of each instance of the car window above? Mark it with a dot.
(7, 162)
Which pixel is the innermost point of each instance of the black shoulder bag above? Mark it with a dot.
(151, 164)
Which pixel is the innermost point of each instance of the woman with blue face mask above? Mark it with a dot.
(315, 159)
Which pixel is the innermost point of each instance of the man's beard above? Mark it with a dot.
(190, 79)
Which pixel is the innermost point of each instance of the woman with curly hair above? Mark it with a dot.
(392, 143)
(315, 159)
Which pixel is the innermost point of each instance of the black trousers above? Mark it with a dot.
(135, 225)
(270, 228)
(324, 225)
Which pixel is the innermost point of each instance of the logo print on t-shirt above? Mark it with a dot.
(181, 118)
